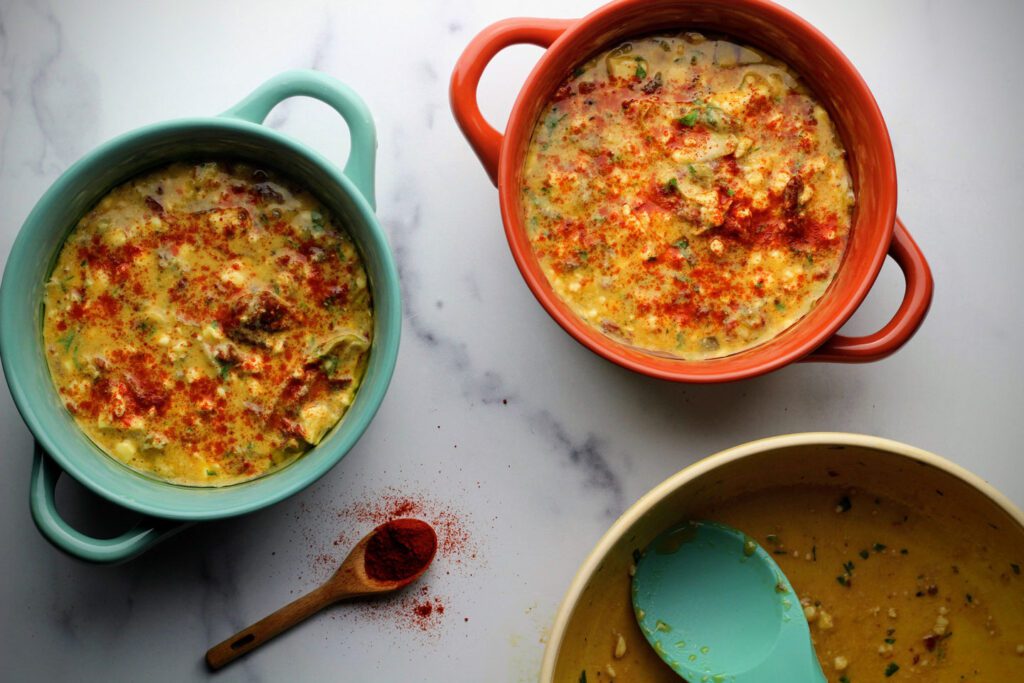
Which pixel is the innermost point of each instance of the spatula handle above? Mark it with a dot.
(266, 628)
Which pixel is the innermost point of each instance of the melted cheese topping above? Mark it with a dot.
(206, 324)
(686, 196)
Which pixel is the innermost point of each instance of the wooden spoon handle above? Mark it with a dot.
(266, 628)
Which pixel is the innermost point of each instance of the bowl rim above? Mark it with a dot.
(166, 500)
(637, 510)
(801, 339)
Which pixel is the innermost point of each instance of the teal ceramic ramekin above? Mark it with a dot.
(237, 134)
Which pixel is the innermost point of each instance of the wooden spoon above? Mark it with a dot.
(349, 581)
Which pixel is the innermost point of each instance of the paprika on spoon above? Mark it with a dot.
(387, 559)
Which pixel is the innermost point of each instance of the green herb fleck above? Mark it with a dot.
(878, 547)
(583, 676)
(970, 598)
(844, 679)
(1015, 568)
(641, 71)
(690, 118)
(553, 122)
(891, 669)
(730, 192)
(67, 340)
(636, 555)
(779, 306)
(682, 243)
(814, 553)
(672, 185)
(578, 71)
(864, 554)
(904, 551)
(844, 504)
(211, 473)
(224, 369)
(848, 566)
(890, 641)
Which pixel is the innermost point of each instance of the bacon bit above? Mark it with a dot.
(264, 192)
(146, 392)
(791, 196)
(270, 314)
(154, 206)
(564, 91)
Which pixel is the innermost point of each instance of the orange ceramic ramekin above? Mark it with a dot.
(837, 85)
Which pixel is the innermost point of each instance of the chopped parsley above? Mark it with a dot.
(672, 185)
(67, 340)
(844, 504)
(891, 669)
(690, 119)
(641, 71)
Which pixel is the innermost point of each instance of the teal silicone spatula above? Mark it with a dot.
(715, 606)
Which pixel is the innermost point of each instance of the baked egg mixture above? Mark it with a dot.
(686, 196)
(207, 323)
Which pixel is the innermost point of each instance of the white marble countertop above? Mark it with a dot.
(529, 442)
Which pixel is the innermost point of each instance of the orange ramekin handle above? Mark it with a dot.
(916, 300)
(483, 138)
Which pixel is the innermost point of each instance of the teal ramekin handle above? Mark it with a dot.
(146, 534)
(305, 82)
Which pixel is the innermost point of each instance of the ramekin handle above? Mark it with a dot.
(916, 301)
(483, 138)
(305, 82)
(146, 534)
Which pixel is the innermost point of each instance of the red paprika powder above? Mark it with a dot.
(399, 549)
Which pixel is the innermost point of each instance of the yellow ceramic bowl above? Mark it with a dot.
(943, 490)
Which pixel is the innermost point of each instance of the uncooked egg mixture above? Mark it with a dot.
(687, 196)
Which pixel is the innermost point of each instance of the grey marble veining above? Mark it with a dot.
(494, 413)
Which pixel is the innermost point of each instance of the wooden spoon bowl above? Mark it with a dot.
(349, 581)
